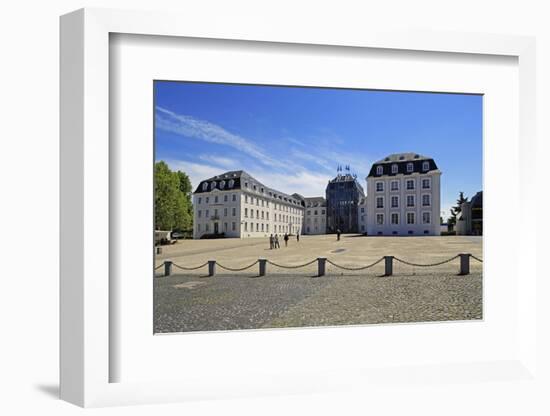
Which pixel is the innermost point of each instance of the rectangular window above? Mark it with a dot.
(380, 219)
(395, 218)
(315, 213)
(323, 212)
(394, 185)
(410, 167)
(410, 217)
(216, 212)
(362, 210)
(199, 212)
(225, 198)
(257, 227)
(267, 227)
(267, 215)
(426, 218)
(426, 183)
(394, 169)
(233, 211)
(206, 214)
(262, 215)
(395, 202)
(379, 186)
(225, 212)
(425, 166)
(246, 226)
(216, 199)
(233, 226)
(225, 226)
(410, 200)
(246, 199)
(425, 200)
(262, 227)
(246, 212)
(234, 197)
(207, 228)
(380, 202)
(410, 184)
(200, 200)
(207, 199)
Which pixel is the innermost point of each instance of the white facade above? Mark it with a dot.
(404, 196)
(236, 204)
(315, 216)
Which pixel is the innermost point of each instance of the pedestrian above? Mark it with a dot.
(271, 242)
(298, 237)
(277, 241)
(338, 232)
(286, 240)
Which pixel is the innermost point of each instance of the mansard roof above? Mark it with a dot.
(240, 179)
(402, 160)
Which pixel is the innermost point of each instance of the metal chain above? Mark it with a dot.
(238, 269)
(476, 258)
(356, 268)
(189, 268)
(426, 265)
(291, 267)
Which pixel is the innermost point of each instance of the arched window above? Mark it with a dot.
(231, 183)
(393, 168)
(204, 186)
(212, 185)
(379, 170)
(222, 184)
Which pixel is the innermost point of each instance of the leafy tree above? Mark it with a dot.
(173, 207)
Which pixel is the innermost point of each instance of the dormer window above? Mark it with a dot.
(410, 167)
(222, 184)
(246, 184)
(231, 183)
(425, 166)
(379, 170)
(393, 168)
(204, 186)
(212, 185)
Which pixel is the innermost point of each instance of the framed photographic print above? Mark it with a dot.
(282, 213)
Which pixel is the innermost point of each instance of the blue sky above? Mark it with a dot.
(293, 139)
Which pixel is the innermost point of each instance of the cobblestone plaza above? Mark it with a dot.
(191, 301)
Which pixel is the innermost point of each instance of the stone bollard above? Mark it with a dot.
(167, 268)
(321, 266)
(211, 268)
(263, 265)
(388, 263)
(464, 264)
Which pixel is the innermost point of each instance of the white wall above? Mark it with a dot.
(29, 176)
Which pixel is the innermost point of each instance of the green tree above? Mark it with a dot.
(173, 207)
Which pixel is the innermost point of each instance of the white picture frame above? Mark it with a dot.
(86, 290)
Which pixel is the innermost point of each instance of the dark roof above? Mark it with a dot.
(315, 201)
(240, 178)
(402, 160)
(477, 200)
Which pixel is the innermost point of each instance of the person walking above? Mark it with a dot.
(271, 242)
(338, 232)
(286, 240)
(277, 245)
(298, 237)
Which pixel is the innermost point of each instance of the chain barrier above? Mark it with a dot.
(238, 269)
(189, 268)
(476, 258)
(356, 268)
(426, 265)
(292, 267)
(159, 266)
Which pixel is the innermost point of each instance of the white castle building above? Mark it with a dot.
(403, 196)
(316, 215)
(238, 205)
(362, 215)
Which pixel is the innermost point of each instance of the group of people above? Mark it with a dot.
(274, 240)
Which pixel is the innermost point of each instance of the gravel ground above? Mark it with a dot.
(190, 301)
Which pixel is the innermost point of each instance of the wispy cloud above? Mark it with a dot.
(221, 161)
(189, 126)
